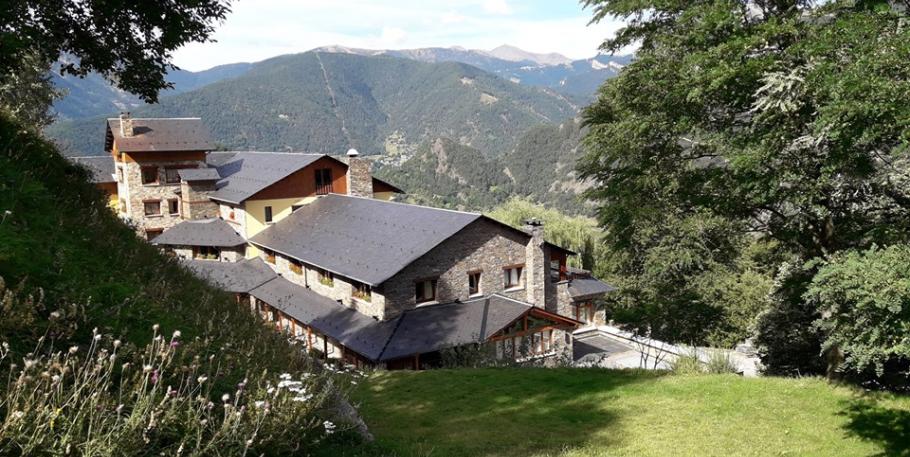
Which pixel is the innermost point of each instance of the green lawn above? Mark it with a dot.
(593, 412)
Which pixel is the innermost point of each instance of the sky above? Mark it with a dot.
(259, 29)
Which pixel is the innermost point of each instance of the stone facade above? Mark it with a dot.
(483, 246)
(195, 202)
(537, 271)
(341, 289)
(226, 254)
(359, 179)
(134, 194)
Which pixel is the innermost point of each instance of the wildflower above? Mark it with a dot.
(146, 368)
(259, 404)
(175, 343)
(202, 379)
(204, 421)
(303, 398)
(117, 343)
(55, 315)
(155, 377)
(354, 382)
(225, 398)
(97, 337)
(119, 408)
(125, 366)
(18, 414)
(329, 427)
(176, 334)
(285, 376)
(74, 349)
(55, 378)
(249, 443)
(29, 363)
(155, 327)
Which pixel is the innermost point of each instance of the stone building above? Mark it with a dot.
(312, 244)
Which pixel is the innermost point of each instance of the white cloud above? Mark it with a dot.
(393, 36)
(497, 7)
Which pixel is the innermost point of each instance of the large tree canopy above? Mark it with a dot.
(789, 119)
(129, 42)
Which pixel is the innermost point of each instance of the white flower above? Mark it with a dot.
(55, 315)
(354, 382)
(202, 379)
(259, 404)
(285, 376)
(97, 337)
(156, 327)
(146, 368)
(225, 397)
(55, 378)
(74, 349)
(270, 390)
(117, 343)
(329, 427)
(18, 414)
(177, 333)
(302, 398)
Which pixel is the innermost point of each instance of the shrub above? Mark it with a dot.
(686, 364)
(93, 402)
(720, 362)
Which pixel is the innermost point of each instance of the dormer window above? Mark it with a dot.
(362, 291)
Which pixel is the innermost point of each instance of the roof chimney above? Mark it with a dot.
(359, 179)
(126, 125)
(537, 263)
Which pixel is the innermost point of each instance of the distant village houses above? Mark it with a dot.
(315, 245)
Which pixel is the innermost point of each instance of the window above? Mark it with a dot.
(426, 290)
(584, 312)
(541, 342)
(474, 283)
(323, 181)
(268, 214)
(362, 291)
(206, 253)
(150, 234)
(119, 174)
(325, 277)
(173, 206)
(512, 277)
(152, 207)
(269, 256)
(172, 176)
(295, 266)
(149, 175)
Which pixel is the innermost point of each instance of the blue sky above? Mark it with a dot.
(259, 29)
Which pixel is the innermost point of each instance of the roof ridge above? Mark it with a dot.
(406, 204)
(273, 152)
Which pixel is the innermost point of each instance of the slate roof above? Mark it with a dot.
(102, 167)
(164, 134)
(243, 174)
(204, 232)
(435, 327)
(198, 174)
(361, 238)
(588, 287)
(236, 277)
(354, 330)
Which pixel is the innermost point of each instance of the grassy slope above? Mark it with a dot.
(537, 412)
(60, 237)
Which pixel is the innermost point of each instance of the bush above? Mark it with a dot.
(686, 364)
(720, 362)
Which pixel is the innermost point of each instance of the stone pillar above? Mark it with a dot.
(537, 264)
(359, 179)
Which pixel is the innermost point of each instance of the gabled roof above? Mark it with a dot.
(165, 134)
(198, 174)
(435, 327)
(236, 277)
(364, 239)
(356, 331)
(102, 167)
(243, 174)
(204, 232)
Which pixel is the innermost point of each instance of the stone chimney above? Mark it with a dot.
(359, 179)
(126, 125)
(537, 264)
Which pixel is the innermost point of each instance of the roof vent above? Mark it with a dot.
(353, 153)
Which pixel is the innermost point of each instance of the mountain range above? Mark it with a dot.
(453, 133)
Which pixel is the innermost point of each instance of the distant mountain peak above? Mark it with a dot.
(514, 54)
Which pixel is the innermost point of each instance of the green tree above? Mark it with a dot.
(129, 42)
(788, 119)
(27, 93)
(864, 298)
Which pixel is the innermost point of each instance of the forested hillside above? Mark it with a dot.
(329, 102)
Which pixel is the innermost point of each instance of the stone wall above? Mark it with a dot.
(137, 194)
(341, 289)
(484, 246)
(537, 268)
(195, 202)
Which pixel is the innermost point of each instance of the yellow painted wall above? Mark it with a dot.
(255, 216)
